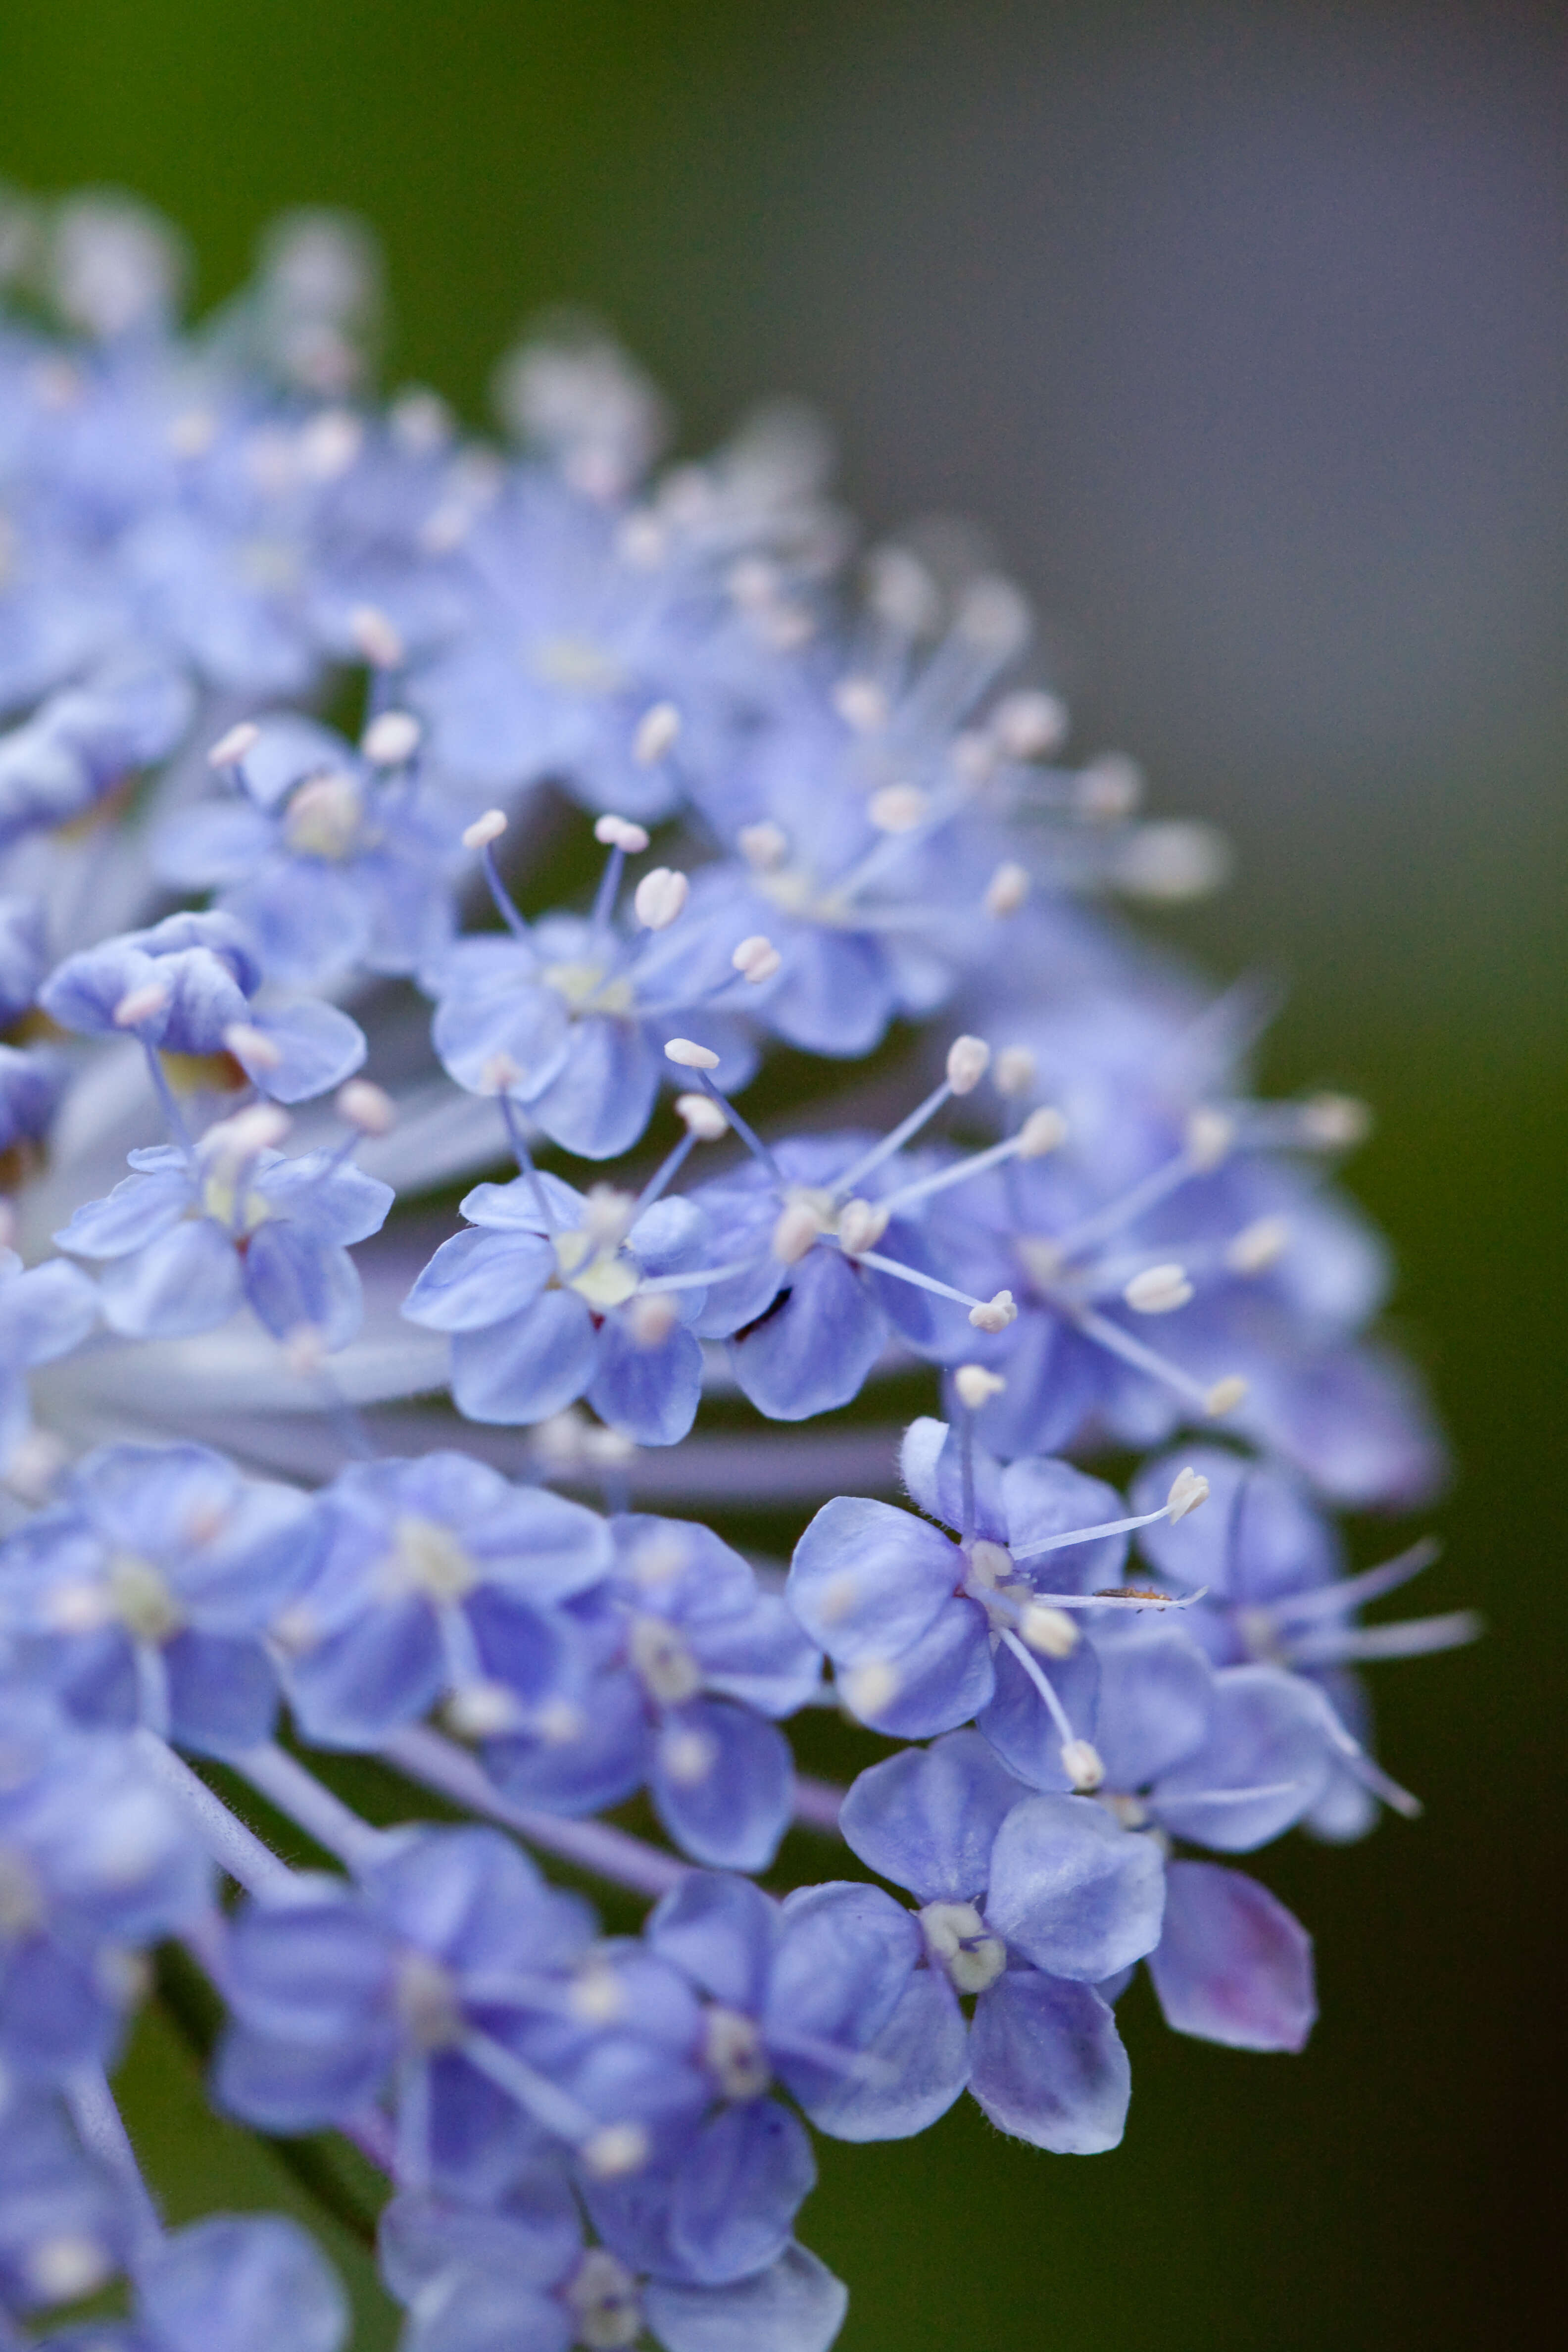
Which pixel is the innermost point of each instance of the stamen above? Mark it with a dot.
(1353, 1592)
(656, 733)
(659, 898)
(481, 835)
(975, 1386)
(252, 1046)
(700, 1059)
(1158, 1290)
(1008, 889)
(231, 748)
(756, 958)
(140, 1004)
(1223, 1397)
(391, 740)
(1080, 1760)
(1042, 1131)
(1417, 1637)
(367, 1108)
(764, 846)
(376, 637)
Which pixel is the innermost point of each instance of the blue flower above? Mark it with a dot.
(690, 1660)
(928, 1629)
(185, 987)
(191, 1236)
(552, 1296)
(1275, 1593)
(46, 1311)
(327, 859)
(569, 1018)
(64, 2227)
(519, 2278)
(455, 1981)
(1027, 1903)
(237, 2282)
(436, 1580)
(94, 1866)
(142, 1596)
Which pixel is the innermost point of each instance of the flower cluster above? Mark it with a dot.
(282, 1437)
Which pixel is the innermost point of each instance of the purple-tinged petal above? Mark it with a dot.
(722, 1783)
(1233, 1965)
(532, 1365)
(1046, 2063)
(794, 2305)
(867, 1580)
(737, 2191)
(188, 1280)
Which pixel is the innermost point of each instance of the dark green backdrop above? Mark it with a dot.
(1247, 328)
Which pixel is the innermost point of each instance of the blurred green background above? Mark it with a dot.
(1245, 328)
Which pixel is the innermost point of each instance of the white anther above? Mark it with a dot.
(620, 833)
(1188, 1489)
(990, 1564)
(64, 2268)
(376, 637)
(1335, 1122)
(899, 808)
(733, 2053)
(703, 1117)
(1173, 861)
(1259, 1245)
(1030, 723)
(795, 1231)
(36, 1464)
(323, 816)
(994, 1314)
(485, 829)
(482, 1711)
(957, 1939)
(652, 1319)
(369, 1108)
(976, 1386)
(139, 1004)
(330, 444)
(1050, 1631)
(559, 1723)
(305, 1352)
(1225, 1396)
(993, 613)
(861, 1224)
(260, 1129)
(1111, 789)
(1007, 889)
(1044, 1130)
(615, 2150)
(764, 847)
(602, 2297)
(968, 1059)
(756, 958)
(391, 739)
(861, 704)
(688, 1056)
(657, 731)
(596, 1995)
(1210, 1134)
(1082, 1764)
(1015, 1070)
(191, 432)
(689, 1758)
(230, 749)
(420, 420)
(498, 1072)
(1158, 1290)
(253, 1047)
(659, 898)
(869, 1688)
